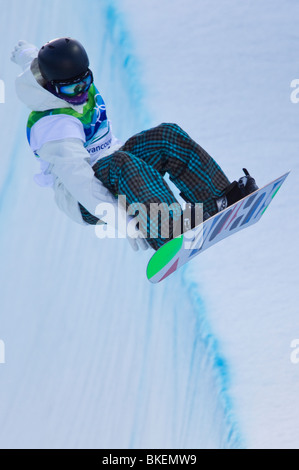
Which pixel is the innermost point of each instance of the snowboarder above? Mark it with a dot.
(86, 164)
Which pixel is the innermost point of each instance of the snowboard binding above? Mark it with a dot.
(234, 192)
(237, 190)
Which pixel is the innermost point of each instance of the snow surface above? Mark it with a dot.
(95, 355)
(223, 70)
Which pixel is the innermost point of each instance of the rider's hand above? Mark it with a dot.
(24, 53)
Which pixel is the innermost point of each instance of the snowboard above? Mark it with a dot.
(180, 250)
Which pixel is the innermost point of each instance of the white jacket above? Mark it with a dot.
(69, 168)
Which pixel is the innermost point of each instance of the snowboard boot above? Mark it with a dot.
(236, 191)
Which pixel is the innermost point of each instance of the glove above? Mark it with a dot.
(125, 227)
(24, 53)
(138, 243)
(135, 237)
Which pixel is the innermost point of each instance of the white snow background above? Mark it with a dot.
(95, 356)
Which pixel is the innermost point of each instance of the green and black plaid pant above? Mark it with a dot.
(136, 170)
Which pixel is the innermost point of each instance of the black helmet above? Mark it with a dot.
(62, 59)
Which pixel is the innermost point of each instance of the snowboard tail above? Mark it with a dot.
(177, 252)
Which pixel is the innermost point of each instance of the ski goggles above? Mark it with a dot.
(75, 87)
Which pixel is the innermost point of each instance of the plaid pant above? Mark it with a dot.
(137, 169)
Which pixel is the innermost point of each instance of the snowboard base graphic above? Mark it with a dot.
(240, 215)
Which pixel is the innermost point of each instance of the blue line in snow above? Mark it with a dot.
(131, 70)
(7, 185)
(121, 39)
(234, 438)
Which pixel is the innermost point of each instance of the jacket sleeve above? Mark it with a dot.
(69, 163)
